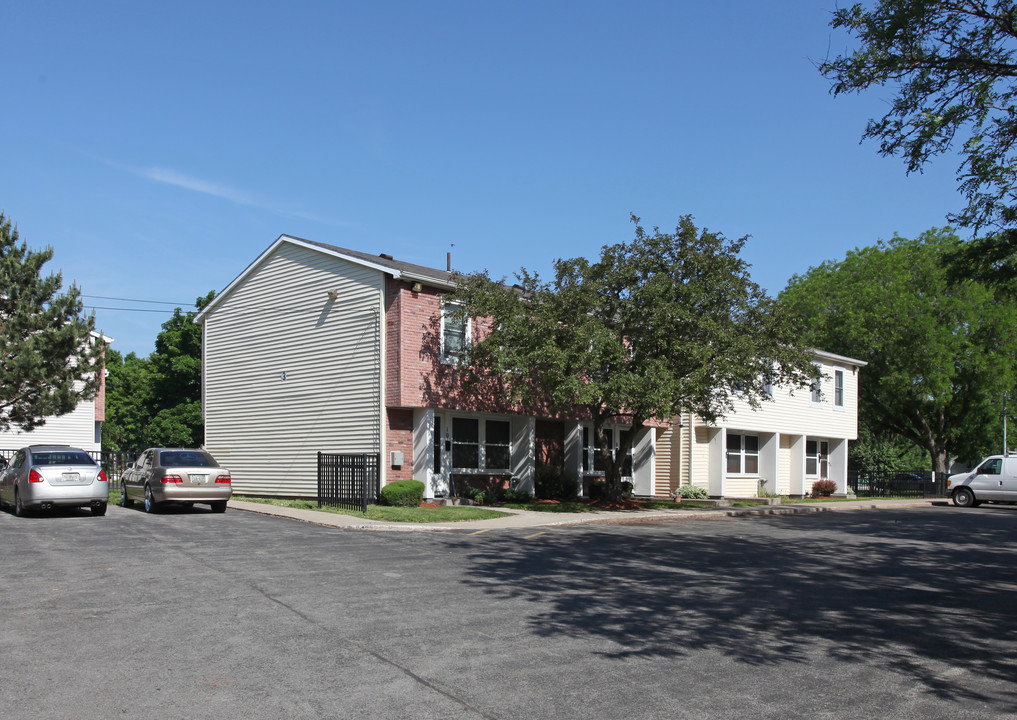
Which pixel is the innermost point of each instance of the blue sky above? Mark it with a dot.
(159, 148)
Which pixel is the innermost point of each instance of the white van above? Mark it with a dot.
(994, 480)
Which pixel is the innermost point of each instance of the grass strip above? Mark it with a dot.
(452, 513)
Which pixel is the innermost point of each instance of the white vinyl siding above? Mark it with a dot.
(76, 428)
(289, 371)
(792, 412)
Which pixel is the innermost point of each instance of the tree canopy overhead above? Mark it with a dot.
(664, 324)
(49, 361)
(952, 63)
(940, 355)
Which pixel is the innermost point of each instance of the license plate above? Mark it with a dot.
(199, 479)
(71, 477)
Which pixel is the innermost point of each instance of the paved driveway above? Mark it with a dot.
(889, 614)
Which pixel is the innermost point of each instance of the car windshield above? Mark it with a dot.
(184, 458)
(62, 457)
(991, 467)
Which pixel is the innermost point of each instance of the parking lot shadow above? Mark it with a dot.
(901, 590)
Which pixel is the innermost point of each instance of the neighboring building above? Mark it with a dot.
(319, 348)
(82, 427)
(781, 447)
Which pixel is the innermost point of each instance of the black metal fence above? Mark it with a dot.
(351, 482)
(113, 462)
(897, 483)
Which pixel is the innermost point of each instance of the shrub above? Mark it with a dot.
(477, 495)
(508, 495)
(823, 488)
(692, 492)
(553, 483)
(598, 490)
(403, 493)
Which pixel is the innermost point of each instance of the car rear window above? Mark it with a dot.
(62, 457)
(185, 458)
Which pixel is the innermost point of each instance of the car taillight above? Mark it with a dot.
(102, 476)
(223, 479)
(35, 476)
(171, 479)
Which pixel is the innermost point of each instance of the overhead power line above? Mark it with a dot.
(152, 302)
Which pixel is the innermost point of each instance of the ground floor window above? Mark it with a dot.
(742, 454)
(479, 445)
(817, 459)
(591, 451)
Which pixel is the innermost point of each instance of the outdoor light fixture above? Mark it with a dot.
(416, 287)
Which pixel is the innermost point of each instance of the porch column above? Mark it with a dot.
(797, 469)
(644, 462)
(423, 449)
(716, 450)
(839, 465)
(769, 462)
(524, 452)
(574, 453)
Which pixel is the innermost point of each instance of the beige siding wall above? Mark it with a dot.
(279, 319)
(793, 412)
(700, 465)
(667, 460)
(741, 487)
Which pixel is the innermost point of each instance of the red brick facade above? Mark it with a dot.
(400, 439)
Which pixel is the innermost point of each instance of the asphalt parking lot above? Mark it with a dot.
(907, 613)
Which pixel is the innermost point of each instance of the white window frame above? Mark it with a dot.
(447, 308)
(741, 453)
(838, 389)
(448, 421)
(816, 390)
(589, 449)
(821, 459)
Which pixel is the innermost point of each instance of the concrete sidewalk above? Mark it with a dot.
(516, 519)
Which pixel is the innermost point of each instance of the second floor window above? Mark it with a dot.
(455, 333)
(817, 391)
(838, 388)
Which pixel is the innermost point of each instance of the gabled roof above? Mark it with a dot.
(384, 263)
(823, 355)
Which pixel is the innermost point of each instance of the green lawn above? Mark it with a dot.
(452, 513)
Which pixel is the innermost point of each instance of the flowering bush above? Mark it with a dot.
(823, 488)
(692, 492)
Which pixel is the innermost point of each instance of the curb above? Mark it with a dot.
(522, 519)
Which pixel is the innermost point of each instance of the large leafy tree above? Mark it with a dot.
(666, 323)
(953, 66)
(156, 401)
(49, 361)
(940, 356)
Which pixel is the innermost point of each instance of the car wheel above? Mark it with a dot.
(124, 500)
(218, 506)
(19, 507)
(99, 509)
(962, 497)
(149, 500)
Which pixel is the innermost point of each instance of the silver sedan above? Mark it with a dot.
(162, 475)
(48, 476)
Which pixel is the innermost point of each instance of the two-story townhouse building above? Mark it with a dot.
(781, 447)
(82, 427)
(314, 347)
